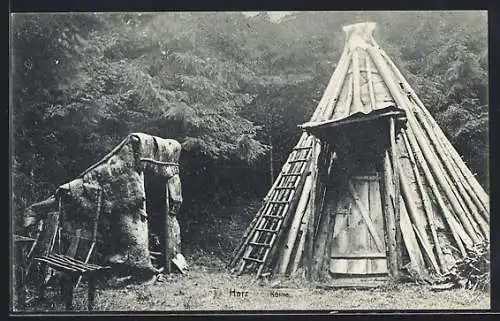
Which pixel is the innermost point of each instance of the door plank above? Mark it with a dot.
(340, 241)
(375, 204)
(358, 230)
(366, 217)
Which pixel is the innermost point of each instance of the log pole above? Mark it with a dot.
(412, 211)
(272, 195)
(477, 209)
(396, 197)
(295, 226)
(300, 248)
(440, 176)
(404, 103)
(426, 204)
(320, 244)
(437, 194)
(440, 135)
(347, 104)
(370, 82)
(310, 224)
(389, 220)
(330, 97)
(290, 209)
(357, 105)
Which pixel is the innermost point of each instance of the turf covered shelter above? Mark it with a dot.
(131, 192)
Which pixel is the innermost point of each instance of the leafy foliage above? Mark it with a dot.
(472, 272)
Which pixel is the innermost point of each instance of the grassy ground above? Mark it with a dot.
(208, 287)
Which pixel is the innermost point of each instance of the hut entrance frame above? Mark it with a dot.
(355, 200)
(160, 224)
(156, 207)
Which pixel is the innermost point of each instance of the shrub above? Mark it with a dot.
(473, 272)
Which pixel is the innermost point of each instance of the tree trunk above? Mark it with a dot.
(32, 187)
(271, 162)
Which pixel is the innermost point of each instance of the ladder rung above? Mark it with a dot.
(265, 230)
(291, 174)
(285, 187)
(279, 202)
(253, 259)
(300, 160)
(260, 244)
(302, 148)
(278, 217)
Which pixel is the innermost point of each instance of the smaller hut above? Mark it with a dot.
(110, 201)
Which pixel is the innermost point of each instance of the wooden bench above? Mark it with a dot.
(74, 264)
(74, 270)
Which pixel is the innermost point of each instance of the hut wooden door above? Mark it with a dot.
(358, 245)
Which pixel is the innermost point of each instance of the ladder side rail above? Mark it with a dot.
(270, 239)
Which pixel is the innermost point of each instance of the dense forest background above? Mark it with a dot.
(232, 88)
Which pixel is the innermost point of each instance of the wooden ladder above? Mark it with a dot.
(266, 228)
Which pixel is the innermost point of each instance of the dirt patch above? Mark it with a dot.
(212, 288)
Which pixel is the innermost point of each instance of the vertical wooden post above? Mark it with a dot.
(144, 189)
(41, 288)
(389, 219)
(167, 252)
(67, 285)
(300, 248)
(91, 292)
(322, 233)
(310, 224)
(51, 226)
(396, 193)
(321, 239)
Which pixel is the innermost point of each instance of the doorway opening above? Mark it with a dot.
(156, 203)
